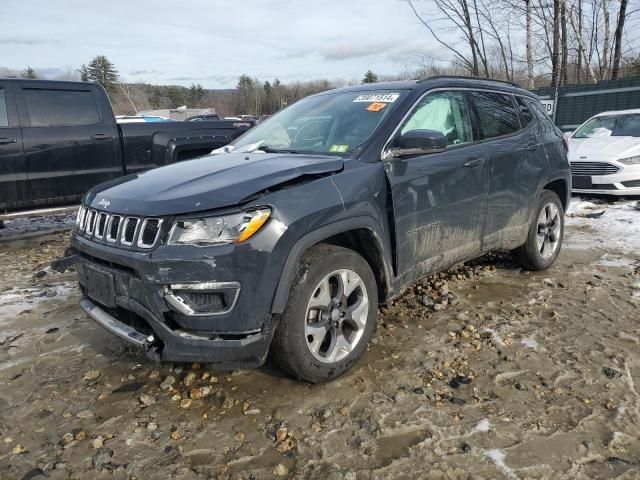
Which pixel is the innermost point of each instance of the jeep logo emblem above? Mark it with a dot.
(104, 203)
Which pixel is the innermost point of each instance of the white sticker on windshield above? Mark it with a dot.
(378, 97)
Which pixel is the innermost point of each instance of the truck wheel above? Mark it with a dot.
(330, 315)
(545, 234)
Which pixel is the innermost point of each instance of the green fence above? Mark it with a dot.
(576, 103)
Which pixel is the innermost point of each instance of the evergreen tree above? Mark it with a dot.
(176, 96)
(370, 77)
(84, 73)
(195, 94)
(245, 95)
(29, 73)
(101, 70)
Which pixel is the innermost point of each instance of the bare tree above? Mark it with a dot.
(617, 56)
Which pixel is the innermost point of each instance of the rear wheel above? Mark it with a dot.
(545, 234)
(330, 315)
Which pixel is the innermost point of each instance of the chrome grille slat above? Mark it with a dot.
(129, 230)
(114, 221)
(101, 224)
(149, 232)
(593, 168)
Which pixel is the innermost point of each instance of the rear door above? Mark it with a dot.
(516, 162)
(439, 199)
(69, 144)
(13, 176)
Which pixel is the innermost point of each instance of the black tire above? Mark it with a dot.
(289, 347)
(529, 255)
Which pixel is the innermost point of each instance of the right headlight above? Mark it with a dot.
(631, 160)
(233, 228)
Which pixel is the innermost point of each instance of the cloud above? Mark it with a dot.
(332, 39)
(22, 40)
(137, 73)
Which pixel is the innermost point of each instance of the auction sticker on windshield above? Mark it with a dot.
(377, 97)
(339, 148)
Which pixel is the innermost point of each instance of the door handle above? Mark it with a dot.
(476, 162)
(532, 147)
(101, 136)
(4, 141)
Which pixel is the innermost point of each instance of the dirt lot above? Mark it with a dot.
(484, 371)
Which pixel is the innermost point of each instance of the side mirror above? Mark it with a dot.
(418, 142)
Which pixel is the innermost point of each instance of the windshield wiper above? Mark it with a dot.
(268, 149)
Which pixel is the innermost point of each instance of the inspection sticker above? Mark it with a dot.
(376, 106)
(377, 97)
(339, 148)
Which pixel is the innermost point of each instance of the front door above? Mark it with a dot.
(13, 174)
(439, 199)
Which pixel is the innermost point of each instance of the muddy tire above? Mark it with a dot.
(330, 315)
(545, 236)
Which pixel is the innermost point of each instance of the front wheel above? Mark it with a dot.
(330, 315)
(545, 236)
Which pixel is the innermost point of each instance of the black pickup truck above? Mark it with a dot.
(58, 139)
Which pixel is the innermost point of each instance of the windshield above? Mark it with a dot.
(610, 126)
(334, 123)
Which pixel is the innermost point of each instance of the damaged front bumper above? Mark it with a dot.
(180, 303)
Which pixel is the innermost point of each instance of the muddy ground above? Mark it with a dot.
(484, 371)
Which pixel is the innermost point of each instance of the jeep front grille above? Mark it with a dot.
(119, 229)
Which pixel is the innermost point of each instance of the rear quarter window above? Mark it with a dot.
(48, 108)
(4, 119)
(497, 114)
(526, 115)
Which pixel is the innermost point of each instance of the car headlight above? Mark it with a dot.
(630, 160)
(233, 228)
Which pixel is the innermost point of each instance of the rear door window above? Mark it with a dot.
(4, 119)
(497, 114)
(444, 112)
(48, 108)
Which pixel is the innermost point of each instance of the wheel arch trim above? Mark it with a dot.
(317, 236)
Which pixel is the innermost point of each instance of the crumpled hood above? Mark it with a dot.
(600, 147)
(205, 183)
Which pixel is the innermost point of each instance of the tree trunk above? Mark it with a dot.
(579, 34)
(555, 64)
(604, 71)
(530, 77)
(564, 77)
(472, 41)
(617, 56)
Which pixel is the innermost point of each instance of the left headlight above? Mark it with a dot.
(233, 228)
(630, 160)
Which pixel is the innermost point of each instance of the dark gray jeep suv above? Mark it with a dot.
(286, 240)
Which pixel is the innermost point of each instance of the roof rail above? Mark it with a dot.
(462, 77)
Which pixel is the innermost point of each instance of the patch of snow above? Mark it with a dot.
(495, 336)
(609, 260)
(38, 224)
(482, 426)
(497, 456)
(529, 342)
(618, 229)
(15, 301)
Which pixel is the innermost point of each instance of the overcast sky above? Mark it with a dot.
(212, 42)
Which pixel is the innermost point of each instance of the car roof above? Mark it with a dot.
(48, 83)
(440, 81)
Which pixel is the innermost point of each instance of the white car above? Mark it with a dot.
(605, 154)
